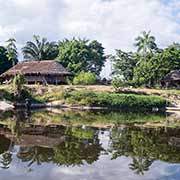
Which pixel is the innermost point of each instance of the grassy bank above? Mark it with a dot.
(113, 100)
(84, 97)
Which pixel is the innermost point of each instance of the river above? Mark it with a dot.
(78, 145)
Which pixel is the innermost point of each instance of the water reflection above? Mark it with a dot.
(77, 139)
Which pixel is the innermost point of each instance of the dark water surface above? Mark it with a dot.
(67, 145)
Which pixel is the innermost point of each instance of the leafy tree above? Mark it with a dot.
(158, 65)
(85, 78)
(18, 83)
(124, 63)
(146, 66)
(5, 64)
(145, 43)
(40, 49)
(81, 55)
(73, 54)
(97, 57)
(12, 53)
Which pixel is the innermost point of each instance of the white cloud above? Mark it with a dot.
(115, 23)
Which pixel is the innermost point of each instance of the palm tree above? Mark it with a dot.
(145, 43)
(40, 49)
(12, 53)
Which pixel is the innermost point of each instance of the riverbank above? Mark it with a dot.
(83, 97)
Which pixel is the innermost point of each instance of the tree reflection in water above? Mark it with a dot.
(76, 145)
(144, 146)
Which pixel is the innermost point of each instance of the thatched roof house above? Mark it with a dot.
(171, 79)
(42, 72)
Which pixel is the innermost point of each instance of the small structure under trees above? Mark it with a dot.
(39, 72)
(171, 79)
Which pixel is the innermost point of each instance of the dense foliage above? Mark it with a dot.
(148, 65)
(85, 78)
(18, 84)
(113, 100)
(78, 143)
(81, 55)
(5, 63)
(40, 49)
(12, 53)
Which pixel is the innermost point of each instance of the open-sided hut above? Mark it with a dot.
(171, 79)
(40, 72)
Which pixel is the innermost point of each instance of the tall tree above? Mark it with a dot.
(81, 55)
(151, 71)
(12, 53)
(145, 43)
(40, 49)
(124, 64)
(5, 64)
(97, 57)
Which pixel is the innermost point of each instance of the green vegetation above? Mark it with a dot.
(79, 141)
(85, 78)
(88, 118)
(148, 65)
(40, 49)
(5, 63)
(144, 67)
(89, 98)
(12, 53)
(113, 100)
(18, 84)
(81, 55)
(144, 146)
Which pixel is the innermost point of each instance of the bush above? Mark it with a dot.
(119, 101)
(85, 78)
(18, 84)
(117, 82)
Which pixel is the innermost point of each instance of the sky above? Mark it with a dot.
(115, 23)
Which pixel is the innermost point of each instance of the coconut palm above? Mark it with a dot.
(145, 43)
(40, 49)
(12, 53)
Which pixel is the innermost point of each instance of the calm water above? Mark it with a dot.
(66, 145)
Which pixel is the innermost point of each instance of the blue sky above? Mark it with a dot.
(115, 23)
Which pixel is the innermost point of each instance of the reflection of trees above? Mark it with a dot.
(6, 155)
(144, 146)
(74, 150)
(35, 154)
(6, 160)
(140, 165)
(80, 145)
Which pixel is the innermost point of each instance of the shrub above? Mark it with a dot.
(85, 78)
(18, 84)
(117, 82)
(113, 100)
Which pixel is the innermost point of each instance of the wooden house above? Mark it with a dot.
(39, 72)
(172, 79)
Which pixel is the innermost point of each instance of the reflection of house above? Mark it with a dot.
(171, 79)
(42, 72)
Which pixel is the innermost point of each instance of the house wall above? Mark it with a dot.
(35, 79)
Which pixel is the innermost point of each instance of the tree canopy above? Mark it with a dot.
(40, 49)
(12, 53)
(81, 55)
(149, 64)
(5, 63)
(145, 42)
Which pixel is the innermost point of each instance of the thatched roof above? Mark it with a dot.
(43, 67)
(172, 76)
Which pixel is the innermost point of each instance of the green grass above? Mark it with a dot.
(113, 100)
(85, 98)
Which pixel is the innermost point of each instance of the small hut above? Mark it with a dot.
(39, 72)
(171, 79)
